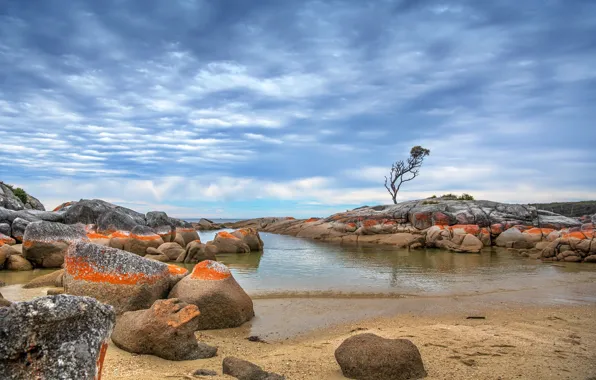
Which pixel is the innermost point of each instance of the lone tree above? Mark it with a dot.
(405, 171)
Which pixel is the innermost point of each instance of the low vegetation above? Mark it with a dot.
(452, 197)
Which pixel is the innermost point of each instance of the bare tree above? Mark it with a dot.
(405, 171)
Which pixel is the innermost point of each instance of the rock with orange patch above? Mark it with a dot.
(187, 234)
(167, 233)
(211, 286)
(141, 238)
(6, 240)
(119, 278)
(45, 243)
(165, 330)
(162, 225)
(312, 220)
(228, 243)
(251, 237)
(54, 337)
(177, 273)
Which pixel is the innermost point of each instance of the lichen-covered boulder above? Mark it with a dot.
(122, 279)
(165, 330)
(197, 252)
(188, 234)
(45, 243)
(371, 357)
(6, 240)
(141, 238)
(167, 233)
(171, 250)
(228, 243)
(54, 337)
(18, 228)
(53, 279)
(18, 263)
(251, 237)
(211, 286)
(245, 370)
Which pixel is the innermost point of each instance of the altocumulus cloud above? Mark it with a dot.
(237, 108)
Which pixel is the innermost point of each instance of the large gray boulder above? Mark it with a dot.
(162, 225)
(115, 220)
(119, 278)
(18, 228)
(45, 243)
(371, 357)
(86, 211)
(5, 229)
(165, 330)
(54, 337)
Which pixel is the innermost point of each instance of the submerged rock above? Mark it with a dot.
(119, 278)
(45, 243)
(165, 330)
(211, 286)
(54, 337)
(371, 357)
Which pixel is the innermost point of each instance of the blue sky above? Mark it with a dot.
(249, 108)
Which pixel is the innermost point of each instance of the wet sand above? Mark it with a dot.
(542, 339)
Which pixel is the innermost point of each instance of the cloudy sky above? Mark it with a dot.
(235, 108)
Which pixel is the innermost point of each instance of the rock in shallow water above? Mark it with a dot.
(165, 330)
(54, 337)
(119, 278)
(371, 357)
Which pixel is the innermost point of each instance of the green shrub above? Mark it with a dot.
(465, 197)
(449, 197)
(433, 197)
(21, 194)
(430, 202)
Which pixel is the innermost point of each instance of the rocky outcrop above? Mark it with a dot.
(245, 370)
(207, 225)
(371, 357)
(251, 237)
(228, 243)
(45, 243)
(165, 330)
(119, 278)
(54, 337)
(211, 286)
(10, 201)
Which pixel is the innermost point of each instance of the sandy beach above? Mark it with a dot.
(514, 341)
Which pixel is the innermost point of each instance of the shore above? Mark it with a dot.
(515, 340)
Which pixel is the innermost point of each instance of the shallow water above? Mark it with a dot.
(295, 267)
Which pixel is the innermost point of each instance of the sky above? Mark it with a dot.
(235, 108)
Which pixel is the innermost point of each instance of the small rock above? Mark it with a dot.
(244, 370)
(203, 372)
(18, 263)
(51, 279)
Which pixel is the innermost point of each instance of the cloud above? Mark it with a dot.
(243, 101)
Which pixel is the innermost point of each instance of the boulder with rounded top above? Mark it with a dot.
(514, 238)
(197, 252)
(371, 357)
(5, 229)
(114, 220)
(55, 337)
(165, 330)
(45, 243)
(251, 237)
(18, 228)
(178, 239)
(188, 234)
(141, 238)
(119, 278)
(18, 263)
(211, 286)
(245, 370)
(171, 250)
(6, 240)
(85, 211)
(167, 233)
(228, 243)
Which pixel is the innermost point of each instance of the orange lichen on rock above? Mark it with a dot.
(472, 229)
(145, 237)
(120, 234)
(60, 207)
(579, 235)
(96, 236)
(539, 231)
(368, 223)
(79, 269)
(8, 240)
(210, 270)
(174, 315)
(102, 355)
(390, 223)
(176, 270)
(310, 220)
(243, 231)
(226, 235)
(180, 229)
(290, 218)
(496, 228)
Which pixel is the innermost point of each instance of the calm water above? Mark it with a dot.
(294, 266)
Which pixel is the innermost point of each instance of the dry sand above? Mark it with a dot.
(513, 342)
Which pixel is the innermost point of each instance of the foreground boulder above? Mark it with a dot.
(165, 330)
(251, 237)
(211, 286)
(122, 279)
(45, 243)
(245, 370)
(228, 243)
(370, 357)
(54, 337)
